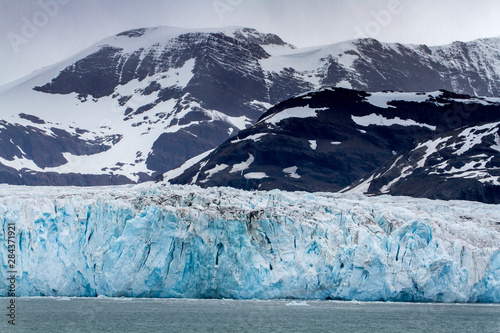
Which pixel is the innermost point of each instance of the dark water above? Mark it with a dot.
(170, 315)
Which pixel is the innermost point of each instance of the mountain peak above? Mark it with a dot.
(133, 33)
(164, 33)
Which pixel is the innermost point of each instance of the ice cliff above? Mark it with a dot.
(184, 241)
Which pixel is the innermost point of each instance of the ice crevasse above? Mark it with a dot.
(184, 241)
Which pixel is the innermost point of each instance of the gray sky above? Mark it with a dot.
(36, 33)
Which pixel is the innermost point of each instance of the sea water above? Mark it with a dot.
(187, 315)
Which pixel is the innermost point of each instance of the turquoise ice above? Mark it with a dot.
(184, 241)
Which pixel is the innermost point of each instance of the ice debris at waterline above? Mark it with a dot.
(184, 241)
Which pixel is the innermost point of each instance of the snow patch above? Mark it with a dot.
(264, 105)
(296, 112)
(217, 168)
(243, 165)
(430, 148)
(20, 163)
(379, 120)
(253, 137)
(381, 99)
(404, 173)
(291, 172)
(474, 135)
(347, 60)
(344, 84)
(174, 173)
(256, 175)
(360, 188)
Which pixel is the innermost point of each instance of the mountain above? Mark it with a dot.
(434, 145)
(144, 101)
(133, 105)
(462, 164)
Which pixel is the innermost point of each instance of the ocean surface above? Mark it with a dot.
(185, 315)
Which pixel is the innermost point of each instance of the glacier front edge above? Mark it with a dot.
(184, 241)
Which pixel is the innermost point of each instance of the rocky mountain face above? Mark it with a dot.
(144, 101)
(462, 164)
(135, 105)
(434, 145)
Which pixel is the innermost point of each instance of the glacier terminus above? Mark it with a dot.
(161, 240)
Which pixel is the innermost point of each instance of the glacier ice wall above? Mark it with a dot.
(183, 241)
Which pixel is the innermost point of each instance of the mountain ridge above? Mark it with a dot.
(155, 97)
(341, 140)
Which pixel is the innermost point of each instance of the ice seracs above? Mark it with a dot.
(183, 241)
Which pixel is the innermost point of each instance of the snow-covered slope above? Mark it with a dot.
(433, 145)
(366, 64)
(183, 241)
(462, 164)
(132, 106)
(144, 101)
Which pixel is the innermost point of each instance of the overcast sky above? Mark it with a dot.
(36, 33)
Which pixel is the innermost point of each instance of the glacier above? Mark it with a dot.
(160, 240)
